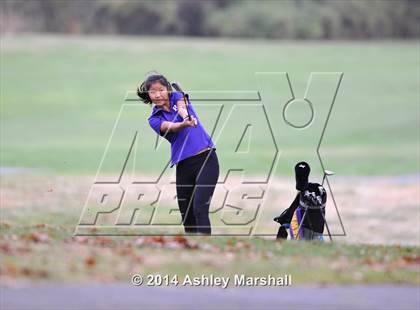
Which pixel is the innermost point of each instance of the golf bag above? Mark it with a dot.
(305, 217)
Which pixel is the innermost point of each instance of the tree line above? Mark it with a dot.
(281, 19)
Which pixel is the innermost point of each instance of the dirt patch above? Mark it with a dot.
(382, 210)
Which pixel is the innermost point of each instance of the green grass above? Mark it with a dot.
(60, 97)
(42, 253)
(37, 244)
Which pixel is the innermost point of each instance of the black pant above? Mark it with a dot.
(196, 178)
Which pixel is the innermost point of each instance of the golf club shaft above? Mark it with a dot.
(323, 179)
(186, 97)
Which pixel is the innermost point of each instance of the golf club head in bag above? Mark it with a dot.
(302, 171)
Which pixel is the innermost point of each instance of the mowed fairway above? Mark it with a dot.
(60, 98)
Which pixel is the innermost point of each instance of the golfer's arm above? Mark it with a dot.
(171, 127)
(182, 109)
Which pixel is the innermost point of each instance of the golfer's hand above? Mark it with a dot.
(190, 123)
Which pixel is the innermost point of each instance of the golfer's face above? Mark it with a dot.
(158, 93)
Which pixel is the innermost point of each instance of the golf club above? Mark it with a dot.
(177, 87)
(326, 172)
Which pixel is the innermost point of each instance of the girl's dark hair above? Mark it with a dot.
(143, 88)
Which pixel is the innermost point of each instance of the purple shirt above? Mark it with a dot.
(186, 142)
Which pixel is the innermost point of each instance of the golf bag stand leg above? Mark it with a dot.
(326, 225)
(300, 225)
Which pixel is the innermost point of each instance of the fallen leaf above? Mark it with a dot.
(103, 241)
(5, 248)
(90, 261)
(412, 259)
(36, 237)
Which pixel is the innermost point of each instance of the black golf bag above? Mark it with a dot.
(305, 218)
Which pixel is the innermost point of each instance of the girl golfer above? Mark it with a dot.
(192, 151)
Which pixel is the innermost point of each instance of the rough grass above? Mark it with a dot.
(39, 215)
(43, 253)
